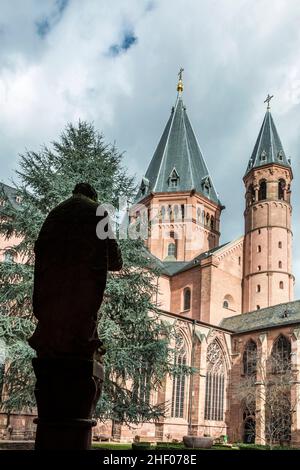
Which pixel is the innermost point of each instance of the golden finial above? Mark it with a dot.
(267, 100)
(180, 82)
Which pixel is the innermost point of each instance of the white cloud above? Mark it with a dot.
(234, 53)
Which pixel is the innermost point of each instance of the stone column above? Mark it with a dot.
(202, 384)
(295, 389)
(260, 419)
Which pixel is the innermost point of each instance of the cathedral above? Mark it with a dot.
(232, 304)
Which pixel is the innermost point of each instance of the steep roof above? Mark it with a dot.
(178, 157)
(277, 315)
(268, 147)
(170, 268)
(10, 193)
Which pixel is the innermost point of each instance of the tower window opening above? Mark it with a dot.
(281, 188)
(259, 267)
(212, 222)
(203, 217)
(258, 288)
(207, 218)
(172, 250)
(239, 260)
(250, 195)
(257, 307)
(182, 211)
(258, 249)
(225, 304)
(262, 192)
(280, 264)
(279, 244)
(281, 285)
(187, 298)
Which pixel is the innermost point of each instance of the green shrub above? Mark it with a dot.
(253, 447)
(141, 445)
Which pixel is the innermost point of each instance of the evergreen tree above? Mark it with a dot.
(138, 354)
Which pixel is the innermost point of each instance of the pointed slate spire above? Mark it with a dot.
(268, 147)
(178, 163)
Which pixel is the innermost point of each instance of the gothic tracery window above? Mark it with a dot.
(179, 379)
(281, 355)
(215, 383)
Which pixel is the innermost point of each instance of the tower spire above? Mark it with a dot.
(180, 82)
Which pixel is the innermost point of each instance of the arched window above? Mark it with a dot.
(281, 355)
(172, 249)
(207, 218)
(212, 222)
(259, 267)
(257, 307)
(279, 264)
(163, 212)
(258, 288)
(258, 249)
(176, 212)
(281, 187)
(281, 285)
(187, 298)
(198, 215)
(215, 383)
(203, 217)
(262, 192)
(250, 358)
(225, 304)
(279, 244)
(250, 196)
(178, 390)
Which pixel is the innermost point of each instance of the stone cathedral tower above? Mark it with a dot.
(267, 271)
(179, 193)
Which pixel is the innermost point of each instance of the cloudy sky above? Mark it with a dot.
(115, 62)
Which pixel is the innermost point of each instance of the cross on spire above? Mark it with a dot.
(267, 100)
(180, 83)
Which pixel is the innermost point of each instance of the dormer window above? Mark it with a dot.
(144, 186)
(18, 199)
(173, 179)
(263, 155)
(280, 155)
(206, 186)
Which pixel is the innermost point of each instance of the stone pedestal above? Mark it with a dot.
(66, 391)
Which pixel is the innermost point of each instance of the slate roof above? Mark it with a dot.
(268, 147)
(170, 268)
(178, 154)
(10, 193)
(277, 315)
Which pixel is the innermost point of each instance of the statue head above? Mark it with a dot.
(86, 190)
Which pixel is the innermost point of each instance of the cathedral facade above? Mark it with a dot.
(232, 304)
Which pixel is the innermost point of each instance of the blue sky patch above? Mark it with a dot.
(129, 39)
(44, 25)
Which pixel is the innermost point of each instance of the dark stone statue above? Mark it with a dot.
(71, 265)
